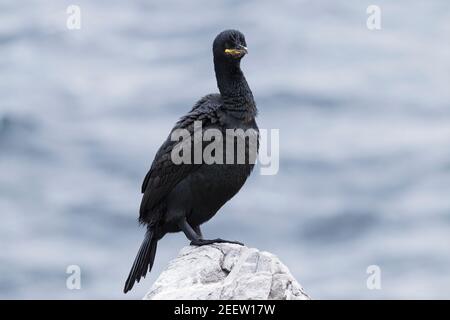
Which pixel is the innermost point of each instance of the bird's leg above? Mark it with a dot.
(188, 230)
(198, 231)
(196, 239)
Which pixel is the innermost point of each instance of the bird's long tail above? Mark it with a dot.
(143, 261)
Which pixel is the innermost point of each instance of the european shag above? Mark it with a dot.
(181, 197)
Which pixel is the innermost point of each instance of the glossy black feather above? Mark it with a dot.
(164, 174)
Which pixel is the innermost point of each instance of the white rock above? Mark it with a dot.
(226, 271)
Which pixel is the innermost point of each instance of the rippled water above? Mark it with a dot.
(364, 121)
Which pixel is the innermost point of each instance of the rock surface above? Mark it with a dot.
(226, 271)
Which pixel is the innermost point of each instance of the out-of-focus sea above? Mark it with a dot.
(364, 119)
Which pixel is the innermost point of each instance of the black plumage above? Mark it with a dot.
(180, 197)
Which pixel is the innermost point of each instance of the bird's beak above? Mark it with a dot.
(238, 52)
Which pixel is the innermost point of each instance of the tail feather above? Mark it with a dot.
(143, 261)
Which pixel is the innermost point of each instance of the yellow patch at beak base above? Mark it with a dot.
(235, 52)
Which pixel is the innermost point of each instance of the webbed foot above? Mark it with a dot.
(203, 242)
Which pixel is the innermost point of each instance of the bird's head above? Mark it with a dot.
(230, 45)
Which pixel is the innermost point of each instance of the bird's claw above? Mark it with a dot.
(203, 242)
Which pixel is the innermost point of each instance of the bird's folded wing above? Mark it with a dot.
(164, 174)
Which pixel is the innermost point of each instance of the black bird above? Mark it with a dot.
(180, 197)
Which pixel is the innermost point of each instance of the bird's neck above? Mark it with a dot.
(234, 90)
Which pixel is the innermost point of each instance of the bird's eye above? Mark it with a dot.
(228, 45)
